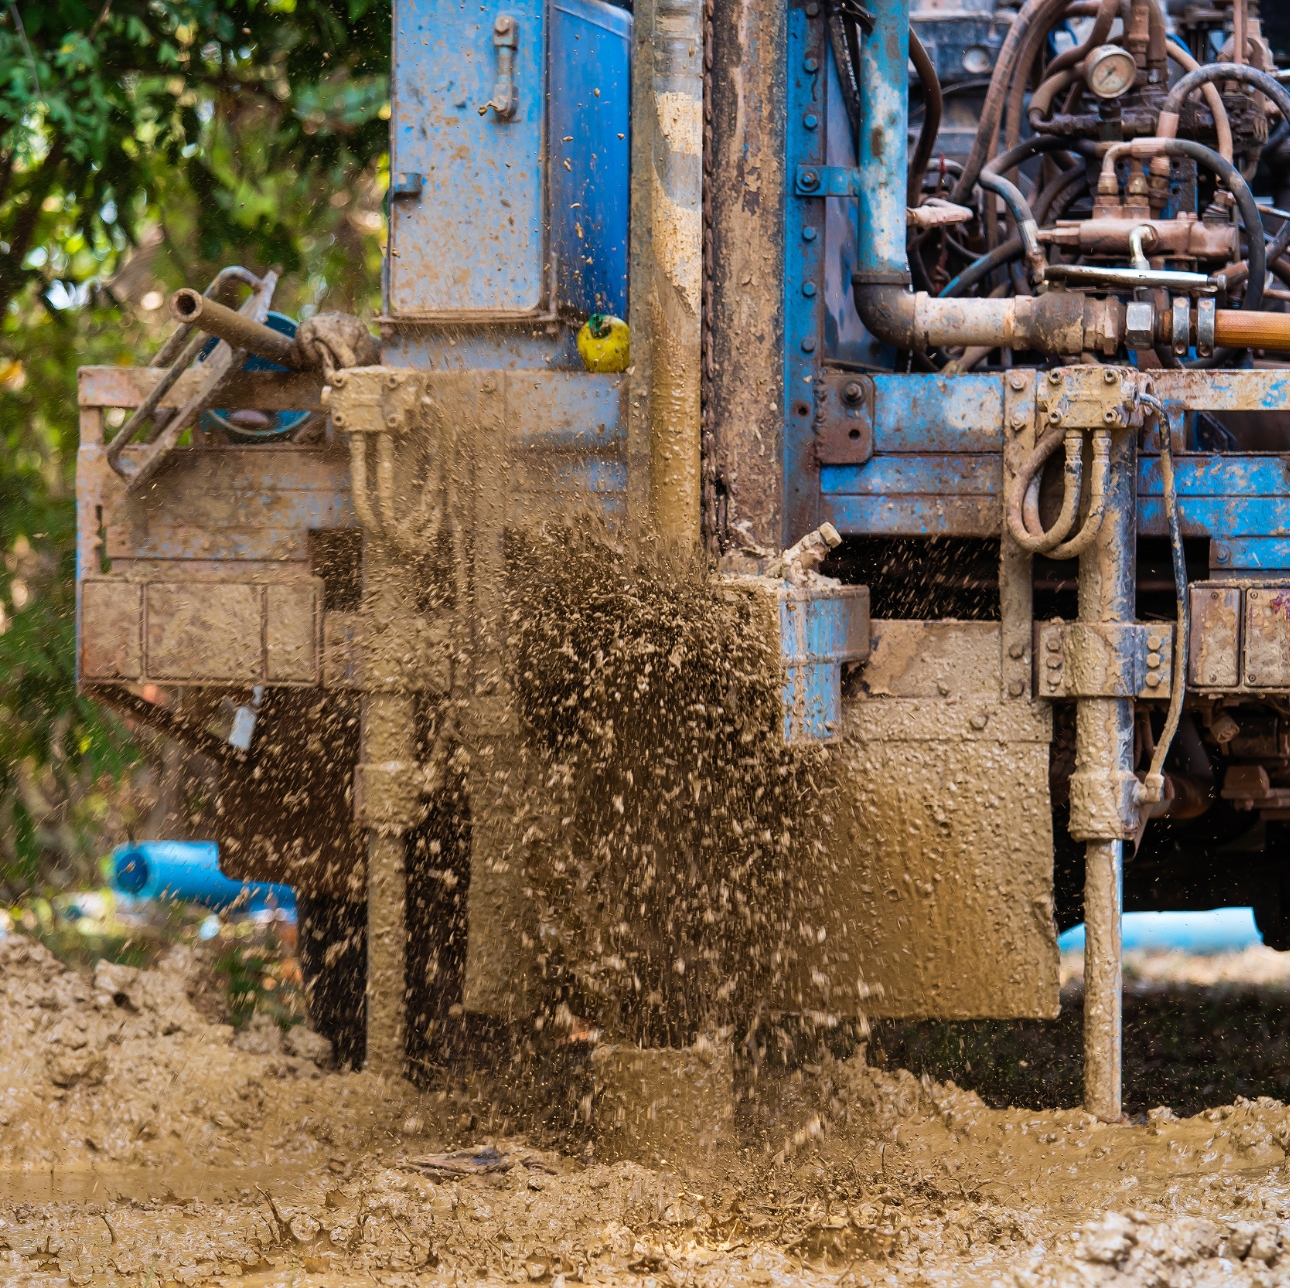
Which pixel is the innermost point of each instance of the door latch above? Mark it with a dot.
(506, 97)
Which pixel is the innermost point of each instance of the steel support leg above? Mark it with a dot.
(389, 737)
(1103, 787)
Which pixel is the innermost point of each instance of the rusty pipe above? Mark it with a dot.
(191, 308)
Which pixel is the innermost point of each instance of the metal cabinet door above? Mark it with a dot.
(467, 195)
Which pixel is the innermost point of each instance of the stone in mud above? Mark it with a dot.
(261, 1037)
(307, 1045)
(118, 985)
(68, 1068)
(1109, 1241)
(666, 1107)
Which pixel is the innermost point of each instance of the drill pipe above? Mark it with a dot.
(194, 309)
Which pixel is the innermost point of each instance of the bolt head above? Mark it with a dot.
(1110, 417)
(1017, 382)
(810, 180)
(1054, 377)
(1054, 417)
(1109, 376)
(852, 392)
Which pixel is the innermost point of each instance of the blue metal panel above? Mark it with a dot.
(957, 475)
(1238, 553)
(590, 125)
(1218, 516)
(926, 413)
(1236, 475)
(913, 516)
(817, 633)
(473, 241)
(804, 308)
(482, 348)
(568, 412)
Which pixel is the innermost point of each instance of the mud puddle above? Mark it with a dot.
(140, 1144)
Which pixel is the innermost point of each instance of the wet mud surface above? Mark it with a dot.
(141, 1144)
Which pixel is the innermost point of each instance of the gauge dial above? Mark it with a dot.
(1110, 71)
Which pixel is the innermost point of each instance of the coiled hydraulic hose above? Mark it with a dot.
(1023, 497)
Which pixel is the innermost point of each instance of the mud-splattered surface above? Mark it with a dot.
(140, 1144)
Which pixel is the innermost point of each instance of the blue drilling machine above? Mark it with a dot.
(990, 301)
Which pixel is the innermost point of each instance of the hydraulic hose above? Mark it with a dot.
(1107, 12)
(1226, 172)
(1032, 14)
(1222, 126)
(931, 126)
(1027, 229)
(1153, 789)
(1098, 490)
(1023, 499)
(982, 267)
(1206, 75)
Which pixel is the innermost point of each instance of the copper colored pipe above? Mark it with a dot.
(1236, 329)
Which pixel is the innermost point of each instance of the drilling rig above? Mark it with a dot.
(996, 295)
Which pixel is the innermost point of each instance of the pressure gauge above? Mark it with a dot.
(1110, 71)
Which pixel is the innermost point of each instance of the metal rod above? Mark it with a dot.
(190, 307)
(1104, 788)
(1103, 1018)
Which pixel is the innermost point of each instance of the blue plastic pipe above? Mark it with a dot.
(1220, 930)
(188, 872)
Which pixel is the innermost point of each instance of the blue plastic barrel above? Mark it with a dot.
(188, 872)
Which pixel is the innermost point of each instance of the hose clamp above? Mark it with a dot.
(1182, 325)
(1206, 317)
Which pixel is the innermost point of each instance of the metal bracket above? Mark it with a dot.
(826, 181)
(1103, 659)
(506, 98)
(844, 418)
(406, 186)
(1092, 397)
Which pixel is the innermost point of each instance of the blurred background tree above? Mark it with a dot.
(144, 144)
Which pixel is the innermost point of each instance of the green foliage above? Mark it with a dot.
(143, 145)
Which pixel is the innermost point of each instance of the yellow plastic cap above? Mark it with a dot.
(605, 343)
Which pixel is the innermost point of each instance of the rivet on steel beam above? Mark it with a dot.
(812, 10)
(811, 64)
(808, 344)
(808, 288)
(810, 120)
(808, 233)
(810, 180)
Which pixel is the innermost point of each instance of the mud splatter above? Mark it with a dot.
(678, 834)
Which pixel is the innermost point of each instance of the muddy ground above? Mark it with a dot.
(142, 1144)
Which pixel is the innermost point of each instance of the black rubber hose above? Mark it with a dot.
(931, 126)
(1236, 185)
(1242, 72)
(983, 267)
